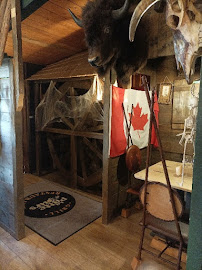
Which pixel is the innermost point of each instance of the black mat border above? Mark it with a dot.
(64, 238)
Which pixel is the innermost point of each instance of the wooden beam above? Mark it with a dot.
(55, 158)
(5, 10)
(73, 147)
(82, 160)
(26, 127)
(92, 147)
(3, 5)
(160, 244)
(105, 175)
(17, 52)
(94, 135)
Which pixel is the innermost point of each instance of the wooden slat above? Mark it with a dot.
(160, 244)
(55, 158)
(106, 182)
(36, 51)
(93, 148)
(33, 33)
(4, 26)
(53, 19)
(74, 66)
(3, 5)
(82, 160)
(26, 125)
(75, 133)
(61, 9)
(171, 142)
(73, 103)
(17, 46)
(55, 28)
(73, 149)
(74, 5)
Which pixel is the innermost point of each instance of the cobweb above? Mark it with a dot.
(77, 112)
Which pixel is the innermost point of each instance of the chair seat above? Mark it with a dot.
(167, 228)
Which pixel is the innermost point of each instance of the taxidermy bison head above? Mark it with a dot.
(106, 27)
(184, 17)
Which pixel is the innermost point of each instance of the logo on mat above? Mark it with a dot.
(48, 204)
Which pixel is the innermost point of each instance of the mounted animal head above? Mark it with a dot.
(106, 27)
(185, 19)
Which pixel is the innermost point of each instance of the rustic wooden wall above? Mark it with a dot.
(158, 69)
(11, 177)
(116, 192)
(173, 150)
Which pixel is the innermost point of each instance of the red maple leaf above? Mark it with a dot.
(138, 121)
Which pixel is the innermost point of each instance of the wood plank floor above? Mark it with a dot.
(96, 247)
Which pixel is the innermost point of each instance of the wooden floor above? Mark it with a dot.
(97, 246)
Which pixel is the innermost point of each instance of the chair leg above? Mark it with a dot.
(179, 256)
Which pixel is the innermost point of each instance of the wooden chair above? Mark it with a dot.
(160, 219)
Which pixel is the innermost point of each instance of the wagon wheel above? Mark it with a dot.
(59, 160)
(89, 162)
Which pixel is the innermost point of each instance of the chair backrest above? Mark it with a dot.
(133, 158)
(158, 202)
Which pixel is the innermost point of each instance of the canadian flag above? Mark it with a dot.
(130, 114)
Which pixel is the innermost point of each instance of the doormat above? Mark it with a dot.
(48, 204)
(56, 213)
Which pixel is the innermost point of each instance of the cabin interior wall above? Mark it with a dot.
(28, 147)
(166, 71)
(160, 70)
(11, 195)
(117, 197)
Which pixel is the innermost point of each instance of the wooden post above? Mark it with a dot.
(17, 52)
(105, 175)
(5, 14)
(37, 133)
(18, 101)
(38, 153)
(26, 125)
(73, 161)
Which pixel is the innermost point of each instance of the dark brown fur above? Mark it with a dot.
(109, 39)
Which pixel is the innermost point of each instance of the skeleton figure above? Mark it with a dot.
(188, 135)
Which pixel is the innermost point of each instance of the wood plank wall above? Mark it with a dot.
(10, 194)
(158, 69)
(117, 193)
(173, 150)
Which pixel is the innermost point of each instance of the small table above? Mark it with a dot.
(156, 174)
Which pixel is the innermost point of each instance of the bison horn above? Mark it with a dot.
(118, 14)
(77, 20)
(139, 11)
